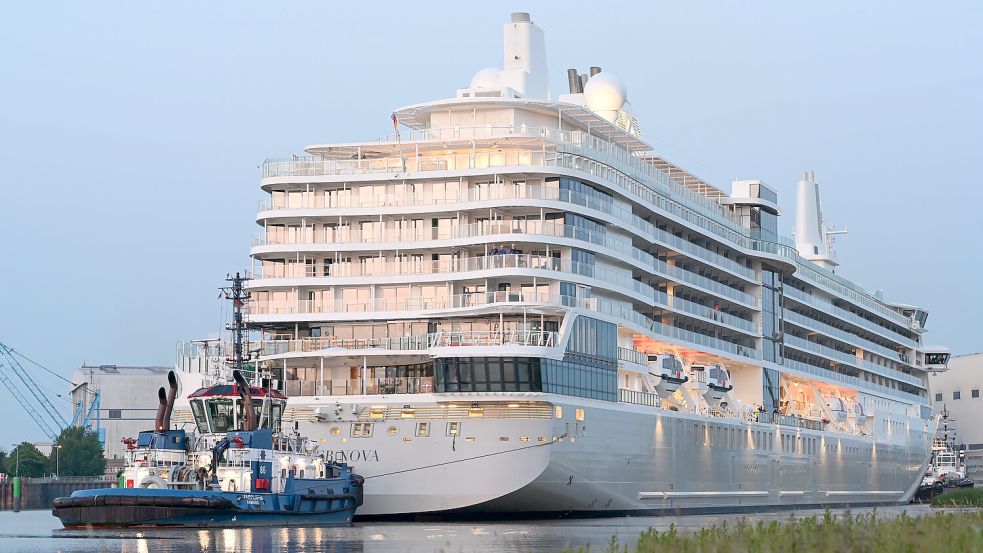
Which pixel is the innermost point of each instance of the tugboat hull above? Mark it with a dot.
(143, 507)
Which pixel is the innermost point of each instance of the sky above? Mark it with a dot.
(131, 135)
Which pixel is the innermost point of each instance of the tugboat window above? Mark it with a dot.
(199, 413)
(220, 414)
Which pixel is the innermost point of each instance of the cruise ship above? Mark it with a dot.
(514, 305)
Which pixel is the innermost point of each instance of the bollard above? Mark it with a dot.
(17, 494)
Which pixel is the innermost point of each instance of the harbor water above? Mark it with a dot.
(38, 531)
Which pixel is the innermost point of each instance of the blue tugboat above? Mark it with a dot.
(240, 469)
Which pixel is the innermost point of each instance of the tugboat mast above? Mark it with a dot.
(238, 296)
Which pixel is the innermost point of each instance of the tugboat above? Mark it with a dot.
(241, 470)
(946, 470)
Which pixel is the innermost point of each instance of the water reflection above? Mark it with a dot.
(38, 531)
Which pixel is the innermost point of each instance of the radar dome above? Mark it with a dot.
(605, 92)
(488, 77)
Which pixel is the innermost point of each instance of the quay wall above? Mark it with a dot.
(38, 493)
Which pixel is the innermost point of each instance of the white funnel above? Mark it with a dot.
(524, 64)
(812, 238)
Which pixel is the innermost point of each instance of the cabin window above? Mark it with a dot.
(219, 414)
(580, 414)
(199, 412)
(276, 414)
(393, 430)
(423, 429)
(361, 430)
(453, 428)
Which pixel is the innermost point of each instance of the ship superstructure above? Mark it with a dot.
(514, 303)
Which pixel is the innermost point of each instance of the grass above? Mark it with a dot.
(936, 533)
(969, 497)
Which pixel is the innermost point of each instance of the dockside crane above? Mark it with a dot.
(35, 401)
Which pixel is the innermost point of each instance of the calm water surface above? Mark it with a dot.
(38, 531)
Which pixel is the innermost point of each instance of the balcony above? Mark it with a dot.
(628, 172)
(638, 398)
(354, 387)
(411, 344)
(604, 279)
(632, 355)
(840, 313)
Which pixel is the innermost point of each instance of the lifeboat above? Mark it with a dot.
(717, 381)
(666, 373)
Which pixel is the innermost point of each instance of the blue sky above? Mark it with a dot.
(130, 135)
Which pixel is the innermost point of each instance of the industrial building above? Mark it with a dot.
(127, 401)
(959, 390)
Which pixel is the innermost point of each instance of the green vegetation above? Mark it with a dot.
(936, 533)
(967, 497)
(80, 454)
(33, 463)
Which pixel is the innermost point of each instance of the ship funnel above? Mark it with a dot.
(171, 394)
(161, 409)
(813, 239)
(573, 79)
(594, 70)
(524, 67)
(247, 401)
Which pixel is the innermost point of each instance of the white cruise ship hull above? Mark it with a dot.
(619, 459)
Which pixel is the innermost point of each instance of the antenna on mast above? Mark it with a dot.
(239, 296)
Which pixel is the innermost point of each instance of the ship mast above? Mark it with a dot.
(238, 295)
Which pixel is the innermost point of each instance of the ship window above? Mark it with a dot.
(974, 393)
(559, 412)
(393, 430)
(361, 429)
(219, 415)
(955, 395)
(580, 412)
(938, 396)
(423, 429)
(453, 428)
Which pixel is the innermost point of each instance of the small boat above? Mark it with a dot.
(666, 371)
(240, 470)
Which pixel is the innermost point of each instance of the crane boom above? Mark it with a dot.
(51, 421)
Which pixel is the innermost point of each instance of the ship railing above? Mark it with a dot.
(857, 383)
(346, 235)
(695, 208)
(524, 261)
(789, 420)
(502, 191)
(638, 398)
(354, 386)
(377, 267)
(633, 356)
(614, 309)
(412, 343)
(852, 360)
(850, 316)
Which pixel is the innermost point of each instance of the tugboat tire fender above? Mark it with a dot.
(153, 482)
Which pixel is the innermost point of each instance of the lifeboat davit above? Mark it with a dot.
(837, 408)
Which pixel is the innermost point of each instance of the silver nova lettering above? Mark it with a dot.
(352, 455)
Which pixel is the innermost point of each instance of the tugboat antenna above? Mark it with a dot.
(238, 296)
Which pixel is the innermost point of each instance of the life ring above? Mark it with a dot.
(153, 482)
